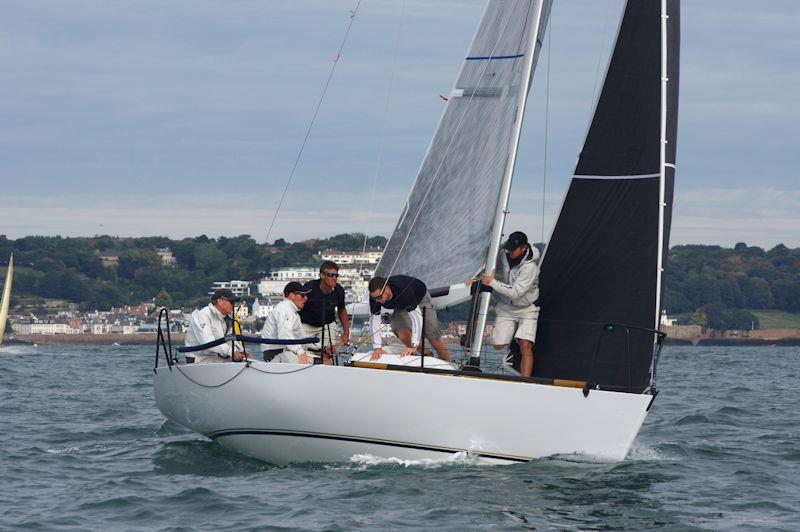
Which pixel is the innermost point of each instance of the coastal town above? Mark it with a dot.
(60, 321)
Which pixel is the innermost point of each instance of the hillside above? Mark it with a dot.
(709, 285)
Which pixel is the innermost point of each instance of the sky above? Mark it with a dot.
(184, 117)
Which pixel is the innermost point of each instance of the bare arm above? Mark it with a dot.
(345, 319)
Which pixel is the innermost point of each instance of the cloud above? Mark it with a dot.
(114, 104)
(758, 216)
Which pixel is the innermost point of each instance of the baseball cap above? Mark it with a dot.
(295, 287)
(224, 293)
(515, 240)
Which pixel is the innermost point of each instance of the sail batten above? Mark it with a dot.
(446, 225)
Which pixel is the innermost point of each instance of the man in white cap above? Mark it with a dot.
(516, 283)
(283, 323)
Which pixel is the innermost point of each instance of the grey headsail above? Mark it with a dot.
(601, 275)
(445, 226)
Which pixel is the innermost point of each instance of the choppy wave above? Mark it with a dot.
(86, 448)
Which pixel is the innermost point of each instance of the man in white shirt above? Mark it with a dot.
(283, 323)
(210, 323)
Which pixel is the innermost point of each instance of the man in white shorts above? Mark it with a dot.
(516, 283)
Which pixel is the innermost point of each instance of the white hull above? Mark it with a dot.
(283, 413)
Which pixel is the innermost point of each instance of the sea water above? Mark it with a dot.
(84, 447)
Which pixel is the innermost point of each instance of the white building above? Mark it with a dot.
(40, 327)
(120, 328)
(273, 284)
(262, 310)
(369, 256)
(295, 273)
(239, 288)
(666, 320)
(166, 256)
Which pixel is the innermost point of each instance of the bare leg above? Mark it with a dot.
(526, 366)
(405, 336)
(441, 348)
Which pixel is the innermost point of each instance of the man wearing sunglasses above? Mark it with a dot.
(325, 302)
(283, 323)
(408, 297)
(211, 323)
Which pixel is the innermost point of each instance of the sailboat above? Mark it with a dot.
(6, 298)
(601, 279)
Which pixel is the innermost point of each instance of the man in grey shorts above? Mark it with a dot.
(517, 288)
(409, 298)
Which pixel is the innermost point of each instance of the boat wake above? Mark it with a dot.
(17, 350)
(360, 462)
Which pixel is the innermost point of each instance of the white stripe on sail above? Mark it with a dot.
(638, 176)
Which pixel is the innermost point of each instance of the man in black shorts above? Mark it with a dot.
(409, 298)
(318, 316)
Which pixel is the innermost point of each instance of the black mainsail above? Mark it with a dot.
(605, 260)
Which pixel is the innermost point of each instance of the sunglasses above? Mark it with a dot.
(329, 274)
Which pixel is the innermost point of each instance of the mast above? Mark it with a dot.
(6, 297)
(662, 161)
(505, 188)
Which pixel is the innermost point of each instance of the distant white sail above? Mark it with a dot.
(6, 298)
(446, 224)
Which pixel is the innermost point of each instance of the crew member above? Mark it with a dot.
(211, 323)
(283, 323)
(409, 298)
(517, 287)
(318, 316)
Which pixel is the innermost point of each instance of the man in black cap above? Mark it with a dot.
(516, 283)
(210, 323)
(284, 323)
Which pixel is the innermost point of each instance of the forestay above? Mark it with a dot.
(445, 226)
(605, 259)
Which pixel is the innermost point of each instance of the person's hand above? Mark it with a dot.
(408, 351)
(487, 278)
(345, 339)
(469, 281)
(238, 356)
(304, 358)
(376, 354)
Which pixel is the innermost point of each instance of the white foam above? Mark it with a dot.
(645, 453)
(66, 450)
(364, 461)
(17, 350)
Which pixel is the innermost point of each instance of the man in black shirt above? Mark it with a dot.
(318, 316)
(409, 298)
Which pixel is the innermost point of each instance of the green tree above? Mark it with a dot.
(699, 317)
(163, 299)
(134, 259)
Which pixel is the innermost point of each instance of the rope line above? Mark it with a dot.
(336, 58)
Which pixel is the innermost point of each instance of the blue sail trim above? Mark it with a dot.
(489, 57)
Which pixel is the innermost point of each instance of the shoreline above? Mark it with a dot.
(178, 339)
(92, 339)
